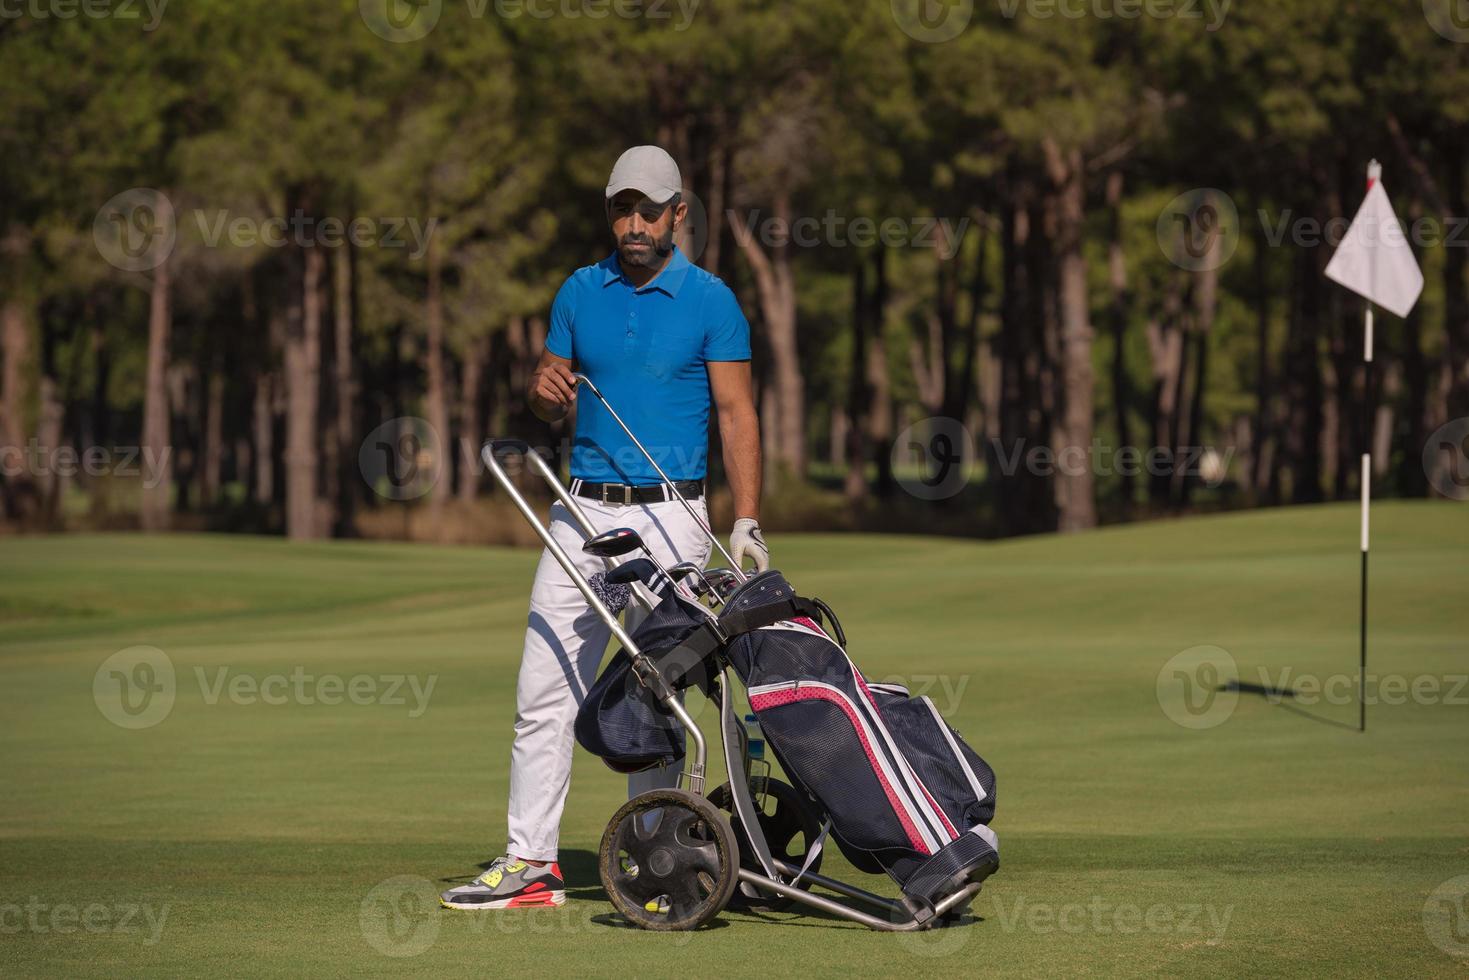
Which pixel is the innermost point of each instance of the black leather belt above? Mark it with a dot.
(621, 493)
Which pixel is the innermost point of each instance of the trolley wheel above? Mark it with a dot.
(669, 860)
(791, 824)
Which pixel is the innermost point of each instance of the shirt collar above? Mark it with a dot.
(669, 280)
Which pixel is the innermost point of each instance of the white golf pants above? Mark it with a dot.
(564, 646)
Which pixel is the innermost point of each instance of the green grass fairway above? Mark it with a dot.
(240, 837)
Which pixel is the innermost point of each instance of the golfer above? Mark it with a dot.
(662, 339)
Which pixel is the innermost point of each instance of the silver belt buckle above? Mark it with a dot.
(626, 493)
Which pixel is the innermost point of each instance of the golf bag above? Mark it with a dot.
(905, 795)
(621, 719)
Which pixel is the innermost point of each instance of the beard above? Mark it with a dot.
(655, 254)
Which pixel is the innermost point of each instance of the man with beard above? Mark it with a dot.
(662, 339)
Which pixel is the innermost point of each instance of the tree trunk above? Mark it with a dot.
(879, 382)
(1025, 501)
(859, 403)
(156, 451)
(437, 396)
(775, 283)
(213, 437)
(303, 381)
(1165, 347)
(1206, 304)
(346, 290)
(1263, 479)
(15, 343)
(471, 428)
(1456, 289)
(1303, 381)
(1121, 313)
(1075, 480)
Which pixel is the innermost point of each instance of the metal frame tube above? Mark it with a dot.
(857, 915)
(696, 772)
(708, 532)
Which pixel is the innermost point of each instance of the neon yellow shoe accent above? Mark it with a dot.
(658, 906)
(493, 876)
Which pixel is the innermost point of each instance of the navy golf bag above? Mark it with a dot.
(905, 794)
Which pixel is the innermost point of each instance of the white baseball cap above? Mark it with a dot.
(648, 169)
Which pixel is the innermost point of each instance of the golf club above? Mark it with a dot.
(582, 379)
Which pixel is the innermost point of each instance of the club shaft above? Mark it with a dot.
(708, 532)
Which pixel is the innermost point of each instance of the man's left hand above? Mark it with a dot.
(747, 541)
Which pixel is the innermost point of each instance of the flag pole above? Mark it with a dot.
(1374, 173)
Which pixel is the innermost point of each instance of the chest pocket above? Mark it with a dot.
(672, 349)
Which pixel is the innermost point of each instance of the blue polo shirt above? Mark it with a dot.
(645, 350)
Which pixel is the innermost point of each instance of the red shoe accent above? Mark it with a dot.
(539, 886)
(530, 901)
(556, 870)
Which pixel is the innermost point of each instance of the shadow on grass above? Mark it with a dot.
(1280, 696)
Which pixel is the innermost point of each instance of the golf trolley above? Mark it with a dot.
(672, 859)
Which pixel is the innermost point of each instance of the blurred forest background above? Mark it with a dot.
(1094, 231)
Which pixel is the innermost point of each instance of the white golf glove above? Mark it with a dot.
(747, 541)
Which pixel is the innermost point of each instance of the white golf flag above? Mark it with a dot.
(1375, 259)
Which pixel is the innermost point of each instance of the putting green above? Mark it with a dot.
(291, 807)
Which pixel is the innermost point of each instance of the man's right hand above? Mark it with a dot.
(552, 388)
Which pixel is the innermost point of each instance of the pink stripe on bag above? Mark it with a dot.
(773, 699)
